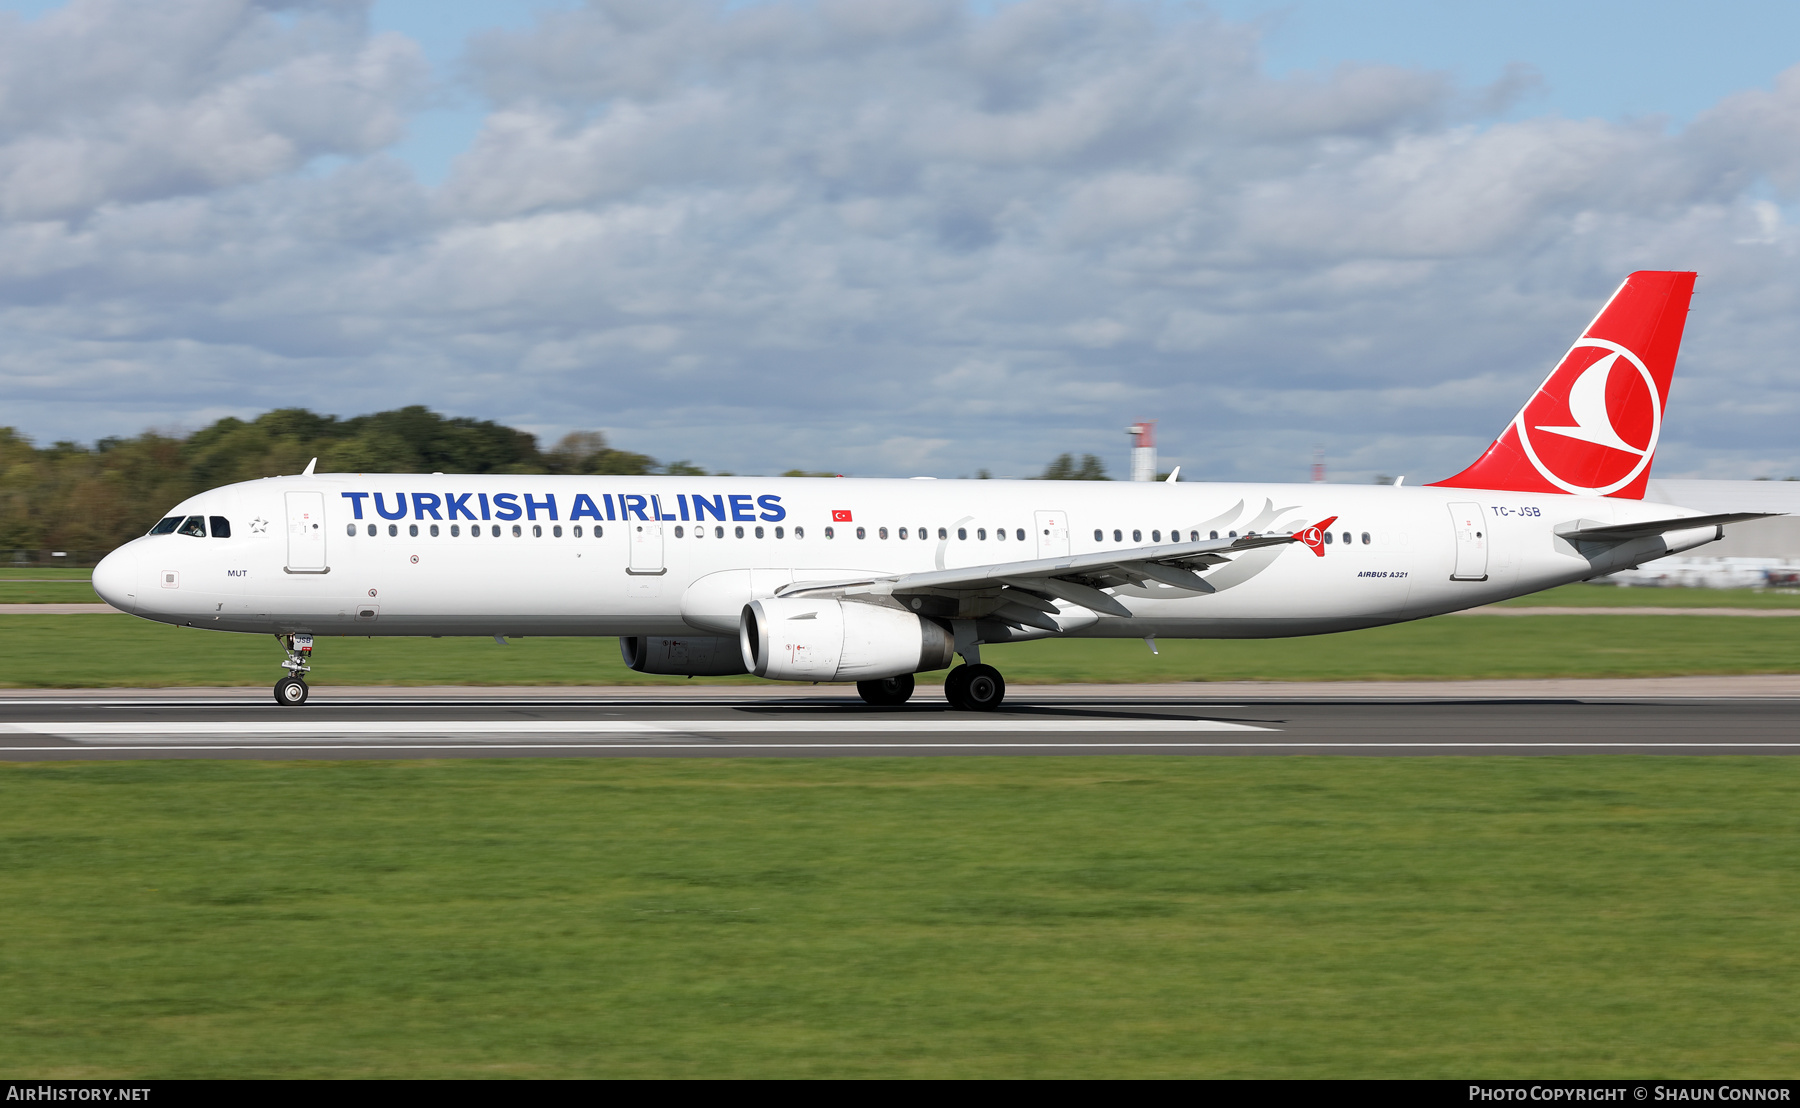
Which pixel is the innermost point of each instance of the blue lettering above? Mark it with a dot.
(356, 499)
(458, 506)
(397, 513)
(702, 506)
(607, 496)
(506, 505)
(532, 506)
(585, 508)
(632, 502)
(744, 512)
(681, 503)
(656, 511)
(773, 512)
(484, 508)
(425, 502)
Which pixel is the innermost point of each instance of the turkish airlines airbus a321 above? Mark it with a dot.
(873, 581)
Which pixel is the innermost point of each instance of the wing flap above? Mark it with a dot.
(1170, 575)
(1074, 592)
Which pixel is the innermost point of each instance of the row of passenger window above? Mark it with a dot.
(192, 525)
(758, 532)
(197, 526)
(1118, 535)
(681, 532)
(412, 530)
(1155, 536)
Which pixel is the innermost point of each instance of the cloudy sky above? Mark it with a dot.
(895, 237)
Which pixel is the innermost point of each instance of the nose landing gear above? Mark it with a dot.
(291, 690)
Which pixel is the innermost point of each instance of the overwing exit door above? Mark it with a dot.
(1052, 534)
(306, 533)
(1470, 523)
(646, 550)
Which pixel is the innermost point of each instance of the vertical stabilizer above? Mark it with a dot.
(1592, 426)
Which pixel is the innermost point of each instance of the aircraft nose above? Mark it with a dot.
(114, 580)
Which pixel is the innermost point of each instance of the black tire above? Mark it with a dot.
(290, 692)
(888, 692)
(982, 689)
(954, 682)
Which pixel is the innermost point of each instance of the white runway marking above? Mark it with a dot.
(1317, 747)
(175, 730)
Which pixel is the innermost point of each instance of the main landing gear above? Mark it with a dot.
(291, 690)
(889, 692)
(975, 688)
(972, 688)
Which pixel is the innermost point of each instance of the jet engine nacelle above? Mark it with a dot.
(682, 656)
(834, 640)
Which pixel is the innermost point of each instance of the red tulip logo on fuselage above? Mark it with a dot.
(1592, 428)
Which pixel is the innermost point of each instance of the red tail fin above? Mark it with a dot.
(1591, 427)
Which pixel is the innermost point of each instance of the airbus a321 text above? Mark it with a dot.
(874, 581)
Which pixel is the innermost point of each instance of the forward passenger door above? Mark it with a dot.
(306, 533)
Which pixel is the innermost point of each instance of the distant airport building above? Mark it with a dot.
(1760, 553)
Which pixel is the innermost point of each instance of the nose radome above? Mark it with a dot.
(114, 582)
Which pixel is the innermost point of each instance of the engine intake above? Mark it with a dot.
(833, 640)
(683, 656)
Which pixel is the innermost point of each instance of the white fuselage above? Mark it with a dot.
(301, 558)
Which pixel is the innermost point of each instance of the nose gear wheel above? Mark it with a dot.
(290, 692)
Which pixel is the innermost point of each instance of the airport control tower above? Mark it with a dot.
(1143, 450)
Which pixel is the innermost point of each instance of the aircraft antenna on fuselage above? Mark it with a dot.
(308, 471)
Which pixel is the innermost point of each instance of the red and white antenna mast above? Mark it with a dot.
(1143, 450)
(1318, 465)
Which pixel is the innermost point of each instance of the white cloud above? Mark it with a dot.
(861, 236)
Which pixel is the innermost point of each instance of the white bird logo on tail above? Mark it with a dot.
(1587, 406)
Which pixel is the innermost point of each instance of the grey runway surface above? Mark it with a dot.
(832, 723)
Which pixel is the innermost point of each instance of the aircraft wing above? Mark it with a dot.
(1621, 532)
(1078, 579)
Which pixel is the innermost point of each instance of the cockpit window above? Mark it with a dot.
(166, 526)
(192, 525)
(221, 527)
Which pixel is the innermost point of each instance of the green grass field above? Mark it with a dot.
(1611, 596)
(50, 651)
(46, 585)
(1045, 917)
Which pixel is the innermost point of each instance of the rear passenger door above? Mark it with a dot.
(1470, 524)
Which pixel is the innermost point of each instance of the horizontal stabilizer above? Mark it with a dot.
(1620, 532)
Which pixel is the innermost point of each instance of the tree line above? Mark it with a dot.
(84, 499)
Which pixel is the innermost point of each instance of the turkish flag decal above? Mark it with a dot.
(840, 515)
